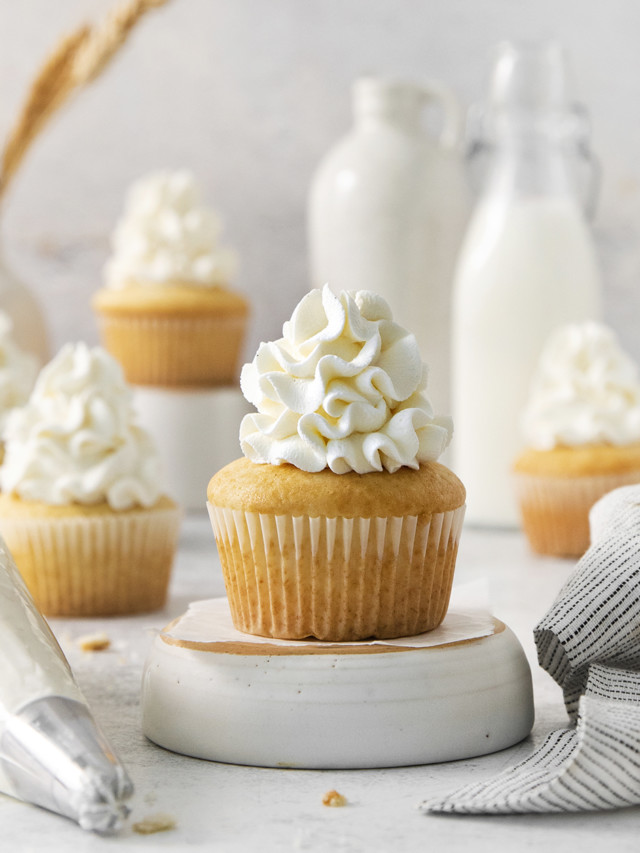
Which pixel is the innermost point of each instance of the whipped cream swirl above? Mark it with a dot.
(18, 371)
(76, 441)
(167, 235)
(343, 388)
(586, 391)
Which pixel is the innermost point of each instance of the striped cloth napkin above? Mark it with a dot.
(589, 642)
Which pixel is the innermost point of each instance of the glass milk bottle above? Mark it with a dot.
(526, 265)
(387, 210)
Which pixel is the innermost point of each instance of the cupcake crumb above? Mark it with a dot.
(154, 823)
(334, 799)
(94, 642)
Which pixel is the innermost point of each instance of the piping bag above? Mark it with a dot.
(52, 753)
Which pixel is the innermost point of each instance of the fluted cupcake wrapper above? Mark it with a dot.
(95, 566)
(197, 351)
(555, 510)
(336, 578)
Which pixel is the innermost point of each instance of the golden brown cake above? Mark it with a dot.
(167, 311)
(177, 335)
(81, 507)
(582, 430)
(92, 560)
(339, 524)
(365, 555)
(556, 489)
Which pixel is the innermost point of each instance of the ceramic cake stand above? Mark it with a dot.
(196, 433)
(212, 692)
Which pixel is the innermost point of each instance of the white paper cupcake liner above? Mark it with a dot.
(336, 578)
(95, 565)
(555, 510)
(175, 351)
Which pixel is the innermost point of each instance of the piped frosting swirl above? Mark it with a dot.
(344, 388)
(76, 440)
(586, 390)
(166, 235)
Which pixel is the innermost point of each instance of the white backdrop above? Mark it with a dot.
(249, 94)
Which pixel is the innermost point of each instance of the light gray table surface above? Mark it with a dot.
(222, 807)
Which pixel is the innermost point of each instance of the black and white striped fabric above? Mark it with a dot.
(589, 642)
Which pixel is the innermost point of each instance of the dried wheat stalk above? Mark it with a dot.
(77, 60)
(104, 41)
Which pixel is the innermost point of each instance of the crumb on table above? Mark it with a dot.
(154, 823)
(94, 642)
(333, 798)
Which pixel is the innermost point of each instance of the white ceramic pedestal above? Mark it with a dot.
(196, 432)
(233, 698)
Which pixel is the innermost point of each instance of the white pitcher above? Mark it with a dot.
(387, 209)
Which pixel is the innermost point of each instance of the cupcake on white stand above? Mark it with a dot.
(337, 536)
(168, 315)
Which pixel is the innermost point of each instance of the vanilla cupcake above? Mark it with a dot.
(81, 508)
(167, 312)
(339, 524)
(18, 370)
(582, 435)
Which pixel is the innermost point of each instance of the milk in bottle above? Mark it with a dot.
(527, 264)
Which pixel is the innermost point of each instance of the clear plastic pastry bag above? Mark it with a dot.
(52, 753)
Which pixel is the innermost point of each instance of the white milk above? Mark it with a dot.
(524, 268)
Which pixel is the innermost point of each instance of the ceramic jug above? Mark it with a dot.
(387, 209)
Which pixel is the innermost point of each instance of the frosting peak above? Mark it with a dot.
(167, 235)
(343, 388)
(75, 441)
(586, 391)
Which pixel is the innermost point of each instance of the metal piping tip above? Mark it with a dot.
(54, 756)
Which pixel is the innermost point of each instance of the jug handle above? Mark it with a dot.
(451, 132)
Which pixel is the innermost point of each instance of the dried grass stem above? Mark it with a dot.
(77, 60)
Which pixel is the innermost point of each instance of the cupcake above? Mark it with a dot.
(338, 523)
(582, 433)
(80, 506)
(18, 370)
(166, 311)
